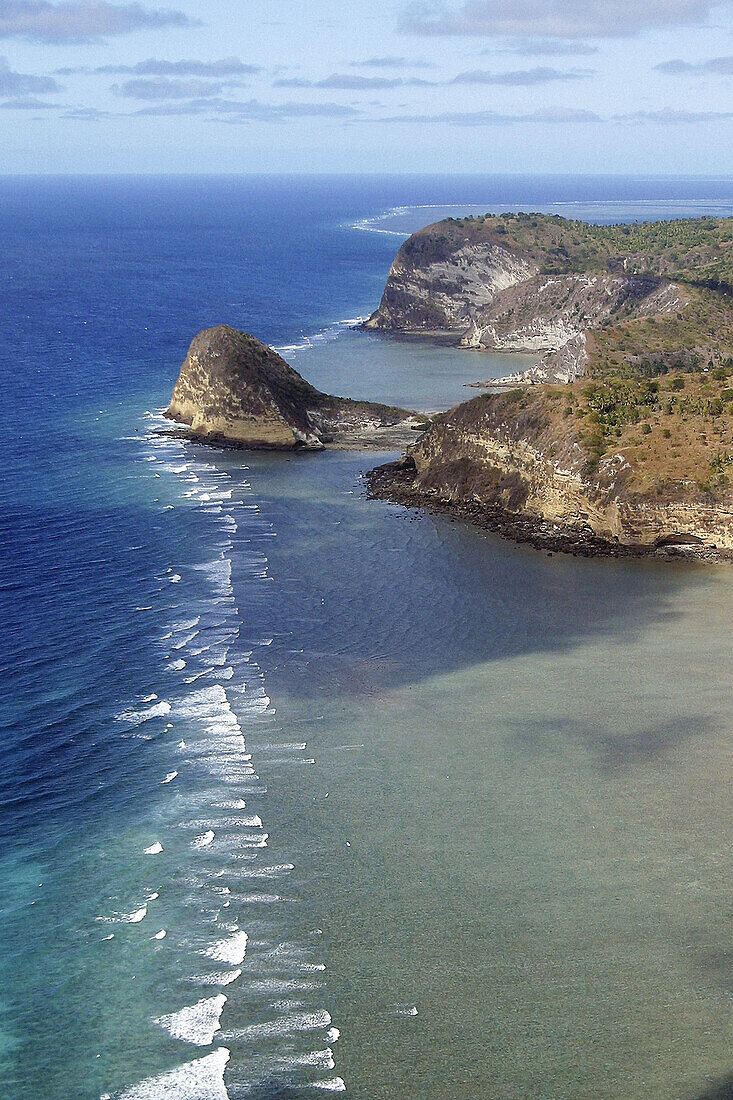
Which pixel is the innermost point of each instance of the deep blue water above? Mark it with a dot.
(304, 616)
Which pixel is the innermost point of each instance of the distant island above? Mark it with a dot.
(633, 451)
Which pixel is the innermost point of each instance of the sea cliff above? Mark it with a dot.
(235, 391)
(572, 294)
(633, 453)
(520, 464)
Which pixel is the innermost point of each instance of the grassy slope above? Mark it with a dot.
(689, 250)
(660, 388)
(697, 253)
(675, 434)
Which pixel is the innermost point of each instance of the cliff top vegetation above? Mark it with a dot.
(694, 253)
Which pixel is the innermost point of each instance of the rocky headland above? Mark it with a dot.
(577, 296)
(235, 391)
(633, 452)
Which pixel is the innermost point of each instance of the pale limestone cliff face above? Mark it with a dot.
(445, 293)
(551, 315)
(233, 390)
(467, 458)
(548, 311)
(491, 298)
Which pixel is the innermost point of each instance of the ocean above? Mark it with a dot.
(302, 793)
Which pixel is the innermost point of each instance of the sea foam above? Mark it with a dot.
(231, 949)
(199, 1080)
(197, 1023)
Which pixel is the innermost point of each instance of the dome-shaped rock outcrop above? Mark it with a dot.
(233, 390)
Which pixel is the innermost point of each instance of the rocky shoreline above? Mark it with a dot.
(563, 290)
(617, 441)
(394, 482)
(235, 392)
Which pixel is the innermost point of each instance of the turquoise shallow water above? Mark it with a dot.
(420, 813)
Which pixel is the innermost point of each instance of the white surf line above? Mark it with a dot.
(198, 1023)
(202, 1079)
(135, 917)
(214, 741)
(371, 224)
(324, 336)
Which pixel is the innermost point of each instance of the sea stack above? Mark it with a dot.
(233, 390)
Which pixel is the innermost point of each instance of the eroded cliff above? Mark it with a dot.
(531, 464)
(545, 285)
(234, 390)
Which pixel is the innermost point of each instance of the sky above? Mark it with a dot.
(385, 86)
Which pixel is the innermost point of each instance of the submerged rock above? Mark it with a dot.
(233, 390)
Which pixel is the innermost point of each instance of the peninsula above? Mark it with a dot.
(620, 438)
(235, 391)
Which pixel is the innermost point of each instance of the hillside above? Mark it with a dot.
(613, 466)
(635, 450)
(631, 300)
(234, 391)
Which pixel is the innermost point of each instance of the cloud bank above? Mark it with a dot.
(553, 115)
(547, 47)
(553, 18)
(28, 103)
(517, 78)
(252, 110)
(562, 116)
(352, 82)
(162, 87)
(79, 21)
(227, 66)
(23, 84)
(521, 78)
(391, 63)
(717, 66)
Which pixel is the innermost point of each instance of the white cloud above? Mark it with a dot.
(391, 63)
(516, 78)
(23, 84)
(547, 47)
(717, 66)
(353, 82)
(227, 66)
(553, 18)
(162, 87)
(251, 110)
(672, 116)
(549, 115)
(75, 21)
(562, 116)
(521, 77)
(28, 103)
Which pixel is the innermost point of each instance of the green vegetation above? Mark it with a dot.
(655, 409)
(697, 338)
(698, 251)
(675, 434)
(692, 334)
